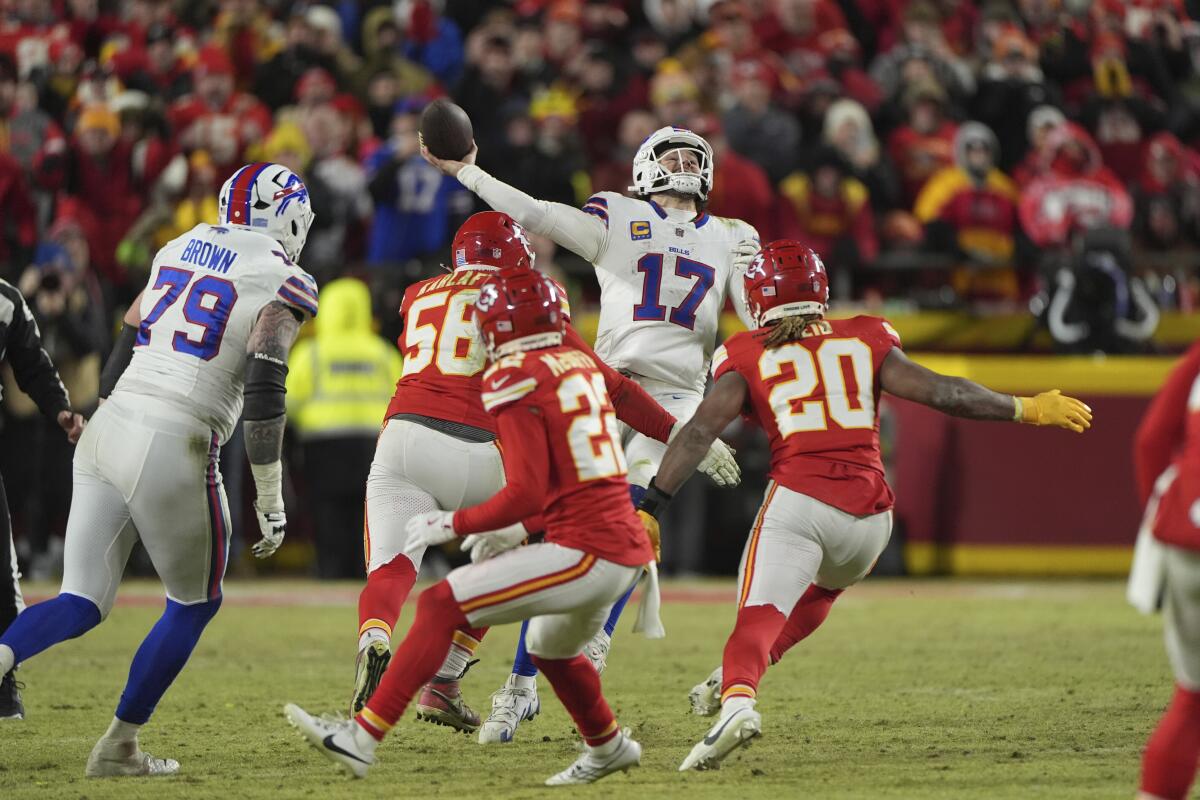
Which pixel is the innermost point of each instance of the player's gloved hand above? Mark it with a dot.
(652, 532)
(720, 465)
(429, 529)
(273, 526)
(744, 252)
(483, 546)
(1054, 408)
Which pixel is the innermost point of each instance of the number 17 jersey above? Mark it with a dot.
(205, 292)
(817, 398)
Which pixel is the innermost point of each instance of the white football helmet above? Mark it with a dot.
(649, 176)
(270, 199)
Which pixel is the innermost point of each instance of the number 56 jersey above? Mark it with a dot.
(664, 277)
(817, 398)
(205, 292)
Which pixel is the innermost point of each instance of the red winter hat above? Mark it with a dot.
(213, 60)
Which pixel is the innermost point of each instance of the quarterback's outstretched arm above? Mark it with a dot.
(960, 397)
(265, 416)
(582, 234)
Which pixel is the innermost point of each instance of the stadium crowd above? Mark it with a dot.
(942, 150)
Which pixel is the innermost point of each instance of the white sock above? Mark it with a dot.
(735, 704)
(8, 659)
(456, 662)
(364, 741)
(609, 747)
(371, 635)
(121, 731)
(523, 681)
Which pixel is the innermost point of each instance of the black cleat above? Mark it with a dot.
(10, 697)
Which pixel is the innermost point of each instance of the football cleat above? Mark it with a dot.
(597, 650)
(511, 706)
(11, 706)
(368, 672)
(341, 741)
(705, 697)
(441, 703)
(111, 758)
(589, 767)
(731, 731)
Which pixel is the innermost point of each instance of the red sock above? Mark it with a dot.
(578, 688)
(810, 611)
(416, 660)
(1169, 765)
(747, 648)
(381, 599)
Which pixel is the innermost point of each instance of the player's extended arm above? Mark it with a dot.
(582, 234)
(122, 351)
(960, 397)
(35, 372)
(1162, 428)
(265, 415)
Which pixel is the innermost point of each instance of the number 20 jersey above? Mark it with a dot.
(205, 292)
(818, 401)
(664, 278)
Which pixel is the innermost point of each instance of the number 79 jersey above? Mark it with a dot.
(817, 398)
(664, 278)
(201, 302)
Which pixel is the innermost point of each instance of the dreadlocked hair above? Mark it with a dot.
(789, 329)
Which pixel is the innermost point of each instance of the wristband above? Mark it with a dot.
(268, 481)
(1018, 410)
(654, 501)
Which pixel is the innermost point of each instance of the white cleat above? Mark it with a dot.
(111, 758)
(597, 650)
(339, 741)
(731, 732)
(705, 697)
(589, 768)
(511, 706)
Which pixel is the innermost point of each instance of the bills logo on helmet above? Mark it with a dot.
(294, 189)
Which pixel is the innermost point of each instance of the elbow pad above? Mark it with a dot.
(118, 360)
(265, 387)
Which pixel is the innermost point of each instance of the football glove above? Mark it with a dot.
(1055, 408)
(483, 546)
(718, 463)
(743, 253)
(273, 526)
(429, 529)
(652, 533)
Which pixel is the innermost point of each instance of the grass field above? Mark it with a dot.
(912, 689)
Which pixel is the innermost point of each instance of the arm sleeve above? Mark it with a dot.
(31, 365)
(584, 234)
(1163, 426)
(633, 405)
(526, 470)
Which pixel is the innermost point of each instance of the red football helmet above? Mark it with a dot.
(492, 239)
(785, 278)
(519, 309)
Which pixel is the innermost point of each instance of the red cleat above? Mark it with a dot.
(441, 703)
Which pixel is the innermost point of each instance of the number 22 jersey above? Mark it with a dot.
(817, 398)
(204, 295)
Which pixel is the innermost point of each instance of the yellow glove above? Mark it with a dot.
(1054, 408)
(651, 526)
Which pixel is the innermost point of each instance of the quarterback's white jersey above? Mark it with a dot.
(664, 278)
(204, 295)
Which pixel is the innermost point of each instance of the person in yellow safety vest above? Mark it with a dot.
(338, 386)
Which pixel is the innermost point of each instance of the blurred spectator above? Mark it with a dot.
(415, 204)
(27, 133)
(338, 386)
(615, 173)
(563, 35)
(793, 29)
(157, 70)
(922, 56)
(245, 30)
(925, 142)
(1168, 196)
(19, 232)
(337, 188)
(216, 118)
(542, 154)
(483, 92)
(673, 21)
(674, 95)
(843, 63)
(848, 130)
(833, 213)
(199, 202)
(741, 189)
(275, 80)
(328, 41)
(430, 39)
(756, 128)
(1041, 121)
(381, 44)
(1011, 85)
(608, 94)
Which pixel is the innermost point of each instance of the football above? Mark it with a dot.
(446, 130)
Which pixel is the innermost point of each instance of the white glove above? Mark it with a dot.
(429, 529)
(273, 526)
(718, 464)
(483, 546)
(743, 253)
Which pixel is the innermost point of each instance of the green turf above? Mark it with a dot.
(911, 690)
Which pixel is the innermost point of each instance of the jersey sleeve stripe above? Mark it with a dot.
(597, 212)
(598, 200)
(508, 394)
(303, 288)
(299, 301)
